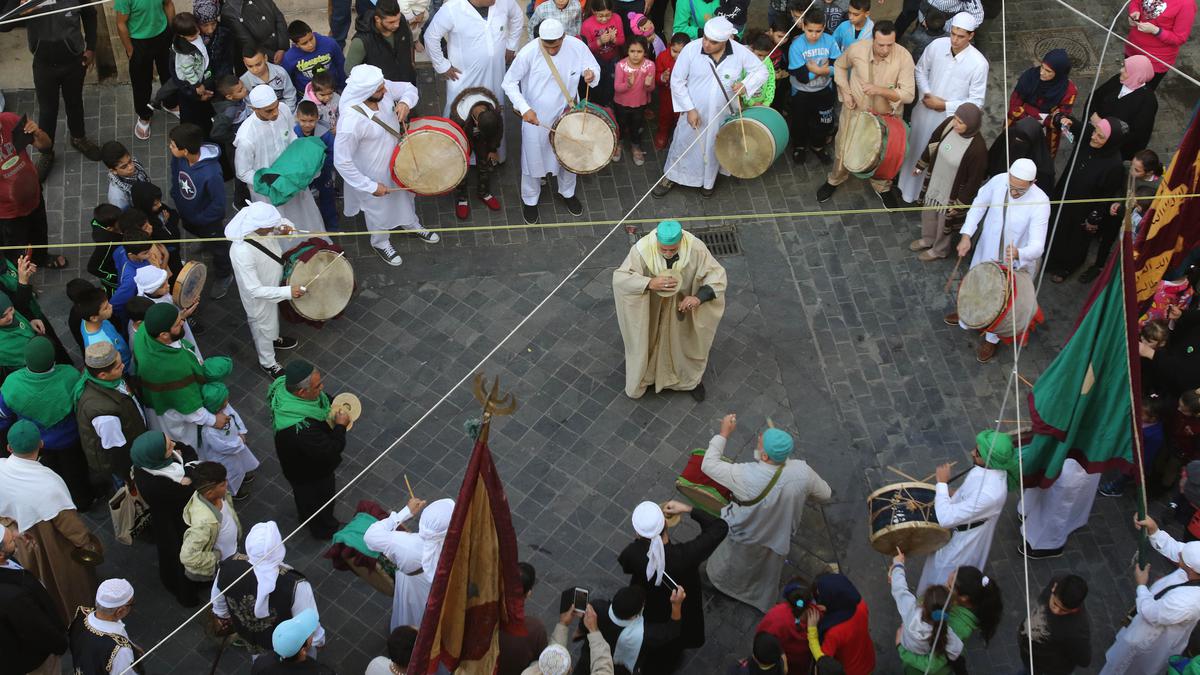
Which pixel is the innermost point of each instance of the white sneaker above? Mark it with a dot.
(389, 255)
(427, 236)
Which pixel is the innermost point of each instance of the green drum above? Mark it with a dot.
(749, 143)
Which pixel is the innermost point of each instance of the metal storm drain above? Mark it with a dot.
(721, 240)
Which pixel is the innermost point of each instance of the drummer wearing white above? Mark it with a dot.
(708, 73)
(370, 117)
(540, 93)
(1012, 208)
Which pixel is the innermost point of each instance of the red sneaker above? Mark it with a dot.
(491, 202)
(462, 209)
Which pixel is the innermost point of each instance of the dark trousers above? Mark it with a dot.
(483, 180)
(811, 120)
(324, 190)
(631, 122)
(309, 497)
(71, 465)
(30, 229)
(782, 103)
(1110, 227)
(219, 250)
(149, 55)
(907, 16)
(340, 19)
(658, 14)
(52, 79)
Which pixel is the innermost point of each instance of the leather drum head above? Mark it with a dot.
(432, 158)
(982, 295)
(327, 296)
(583, 141)
(748, 157)
(348, 402)
(864, 145)
(189, 284)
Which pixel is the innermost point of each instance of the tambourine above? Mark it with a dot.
(348, 403)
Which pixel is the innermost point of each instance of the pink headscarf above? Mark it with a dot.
(1138, 71)
(1105, 126)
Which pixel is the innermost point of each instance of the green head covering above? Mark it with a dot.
(149, 450)
(997, 451)
(217, 368)
(778, 444)
(24, 438)
(215, 395)
(160, 318)
(39, 354)
(296, 372)
(669, 232)
(5, 302)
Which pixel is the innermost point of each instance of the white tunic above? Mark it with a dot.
(981, 497)
(959, 79)
(1052, 514)
(529, 84)
(362, 156)
(404, 550)
(259, 143)
(1161, 627)
(258, 279)
(1025, 228)
(226, 447)
(476, 45)
(694, 86)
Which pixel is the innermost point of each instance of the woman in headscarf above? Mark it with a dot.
(162, 481)
(955, 165)
(1026, 140)
(1095, 171)
(1045, 93)
(840, 616)
(1127, 97)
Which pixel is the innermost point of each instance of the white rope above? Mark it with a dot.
(35, 15)
(470, 373)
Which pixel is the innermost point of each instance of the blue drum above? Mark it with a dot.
(902, 516)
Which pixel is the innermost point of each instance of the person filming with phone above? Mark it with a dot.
(629, 635)
(555, 659)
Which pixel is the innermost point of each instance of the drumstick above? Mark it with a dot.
(926, 478)
(409, 486)
(953, 273)
(304, 289)
(901, 473)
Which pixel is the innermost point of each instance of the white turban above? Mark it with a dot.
(551, 30)
(253, 216)
(114, 594)
(719, 29)
(648, 522)
(1191, 555)
(965, 21)
(435, 520)
(261, 96)
(149, 279)
(264, 548)
(555, 659)
(363, 82)
(1023, 169)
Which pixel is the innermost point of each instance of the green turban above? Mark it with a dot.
(998, 452)
(296, 372)
(39, 354)
(24, 438)
(778, 444)
(215, 395)
(149, 451)
(160, 318)
(669, 232)
(217, 368)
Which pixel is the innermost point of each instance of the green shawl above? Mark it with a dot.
(287, 409)
(963, 622)
(171, 377)
(88, 377)
(13, 339)
(45, 398)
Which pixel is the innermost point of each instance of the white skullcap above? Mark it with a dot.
(149, 279)
(551, 30)
(719, 29)
(1191, 555)
(555, 659)
(648, 522)
(114, 593)
(1023, 169)
(965, 21)
(262, 96)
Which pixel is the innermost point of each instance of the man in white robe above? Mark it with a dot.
(708, 73)
(1167, 610)
(769, 495)
(370, 115)
(415, 555)
(260, 141)
(951, 72)
(971, 511)
(1053, 513)
(540, 94)
(255, 257)
(1015, 214)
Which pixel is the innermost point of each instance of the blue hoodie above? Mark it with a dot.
(198, 190)
(302, 65)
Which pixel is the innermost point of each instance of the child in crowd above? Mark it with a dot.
(164, 222)
(923, 627)
(260, 70)
(569, 12)
(129, 258)
(1187, 501)
(1153, 409)
(76, 290)
(192, 72)
(227, 445)
(761, 45)
(96, 326)
(312, 53)
(321, 91)
(324, 186)
(810, 62)
(633, 84)
(857, 26)
(152, 283)
(1144, 199)
(218, 39)
(123, 172)
(834, 15)
(925, 32)
(231, 110)
(198, 191)
(105, 235)
(485, 132)
(781, 44)
(640, 24)
(135, 312)
(605, 37)
(663, 65)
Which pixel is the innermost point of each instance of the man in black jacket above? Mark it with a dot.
(256, 24)
(384, 40)
(309, 439)
(32, 636)
(625, 613)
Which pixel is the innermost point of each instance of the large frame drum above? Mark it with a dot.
(432, 158)
(875, 146)
(749, 143)
(902, 516)
(986, 302)
(327, 278)
(584, 138)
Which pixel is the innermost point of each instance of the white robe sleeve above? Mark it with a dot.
(512, 81)
(906, 602)
(434, 32)
(514, 26)
(587, 62)
(727, 474)
(403, 92)
(248, 280)
(344, 151)
(976, 87)
(108, 428)
(199, 416)
(402, 548)
(756, 72)
(1039, 222)
(244, 163)
(681, 98)
(303, 599)
(957, 510)
(921, 72)
(1167, 545)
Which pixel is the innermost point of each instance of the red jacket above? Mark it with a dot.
(792, 635)
(849, 643)
(1175, 21)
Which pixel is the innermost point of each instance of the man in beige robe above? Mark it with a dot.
(670, 295)
(37, 500)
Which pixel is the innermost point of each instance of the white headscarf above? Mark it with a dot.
(31, 493)
(253, 216)
(648, 522)
(555, 659)
(149, 279)
(435, 520)
(363, 82)
(264, 548)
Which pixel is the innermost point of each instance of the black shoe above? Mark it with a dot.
(241, 494)
(573, 205)
(698, 393)
(87, 147)
(798, 155)
(43, 164)
(529, 213)
(273, 372)
(662, 187)
(1089, 275)
(889, 200)
(1039, 553)
(249, 478)
(284, 342)
(823, 155)
(707, 193)
(825, 192)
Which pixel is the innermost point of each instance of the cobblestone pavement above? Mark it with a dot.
(833, 329)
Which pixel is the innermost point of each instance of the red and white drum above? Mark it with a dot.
(874, 146)
(987, 301)
(432, 158)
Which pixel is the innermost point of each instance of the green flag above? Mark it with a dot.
(1081, 405)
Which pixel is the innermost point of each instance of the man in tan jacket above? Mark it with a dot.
(213, 526)
(556, 660)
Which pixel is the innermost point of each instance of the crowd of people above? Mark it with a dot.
(147, 424)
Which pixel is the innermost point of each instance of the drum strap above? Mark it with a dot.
(557, 77)
(712, 66)
(269, 253)
(375, 118)
(762, 495)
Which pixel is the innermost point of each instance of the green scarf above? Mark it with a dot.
(963, 622)
(88, 377)
(13, 339)
(171, 377)
(287, 409)
(45, 398)
(9, 284)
